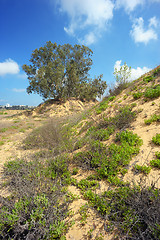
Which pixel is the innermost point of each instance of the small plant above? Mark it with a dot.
(1, 143)
(84, 213)
(156, 139)
(2, 130)
(156, 72)
(156, 162)
(137, 95)
(75, 171)
(153, 118)
(148, 79)
(142, 169)
(152, 92)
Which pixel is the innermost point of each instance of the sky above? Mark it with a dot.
(117, 31)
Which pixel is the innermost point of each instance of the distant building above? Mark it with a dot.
(16, 107)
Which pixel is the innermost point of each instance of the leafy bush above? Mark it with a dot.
(156, 162)
(142, 169)
(34, 211)
(137, 95)
(134, 212)
(104, 104)
(148, 79)
(123, 119)
(152, 92)
(153, 118)
(156, 72)
(156, 139)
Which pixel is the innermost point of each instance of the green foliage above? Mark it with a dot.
(61, 72)
(85, 184)
(156, 162)
(153, 118)
(128, 211)
(1, 143)
(122, 75)
(152, 92)
(84, 213)
(137, 95)
(142, 169)
(156, 72)
(2, 130)
(157, 155)
(156, 139)
(75, 171)
(100, 134)
(148, 79)
(110, 162)
(104, 104)
(34, 211)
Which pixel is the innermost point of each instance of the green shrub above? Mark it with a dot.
(137, 95)
(102, 107)
(1, 143)
(156, 72)
(155, 163)
(148, 79)
(153, 118)
(134, 212)
(157, 155)
(152, 92)
(35, 210)
(156, 139)
(142, 169)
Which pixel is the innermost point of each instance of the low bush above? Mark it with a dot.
(35, 210)
(123, 119)
(153, 118)
(156, 162)
(134, 212)
(104, 104)
(156, 139)
(152, 92)
(156, 72)
(142, 169)
(137, 95)
(148, 79)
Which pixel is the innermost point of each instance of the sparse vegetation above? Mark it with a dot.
(153, 118)
(152, 92)
(137, 95)
(156, 139)
(84, 158)
(142, 169)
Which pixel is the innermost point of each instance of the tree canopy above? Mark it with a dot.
(62, 71)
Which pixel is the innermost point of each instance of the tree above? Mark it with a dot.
(62, 71)
(122, 75)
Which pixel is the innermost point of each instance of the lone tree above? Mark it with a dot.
(62, 71)
(122, 75)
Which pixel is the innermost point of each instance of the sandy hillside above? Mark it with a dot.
(15, 127)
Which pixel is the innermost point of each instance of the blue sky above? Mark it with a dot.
(117, 31)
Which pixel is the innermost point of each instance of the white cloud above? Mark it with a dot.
(9, 67)
(84, 14)
(135, 72)
(18, 90)
(153, 22)
(142, 35)
(129, 5)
